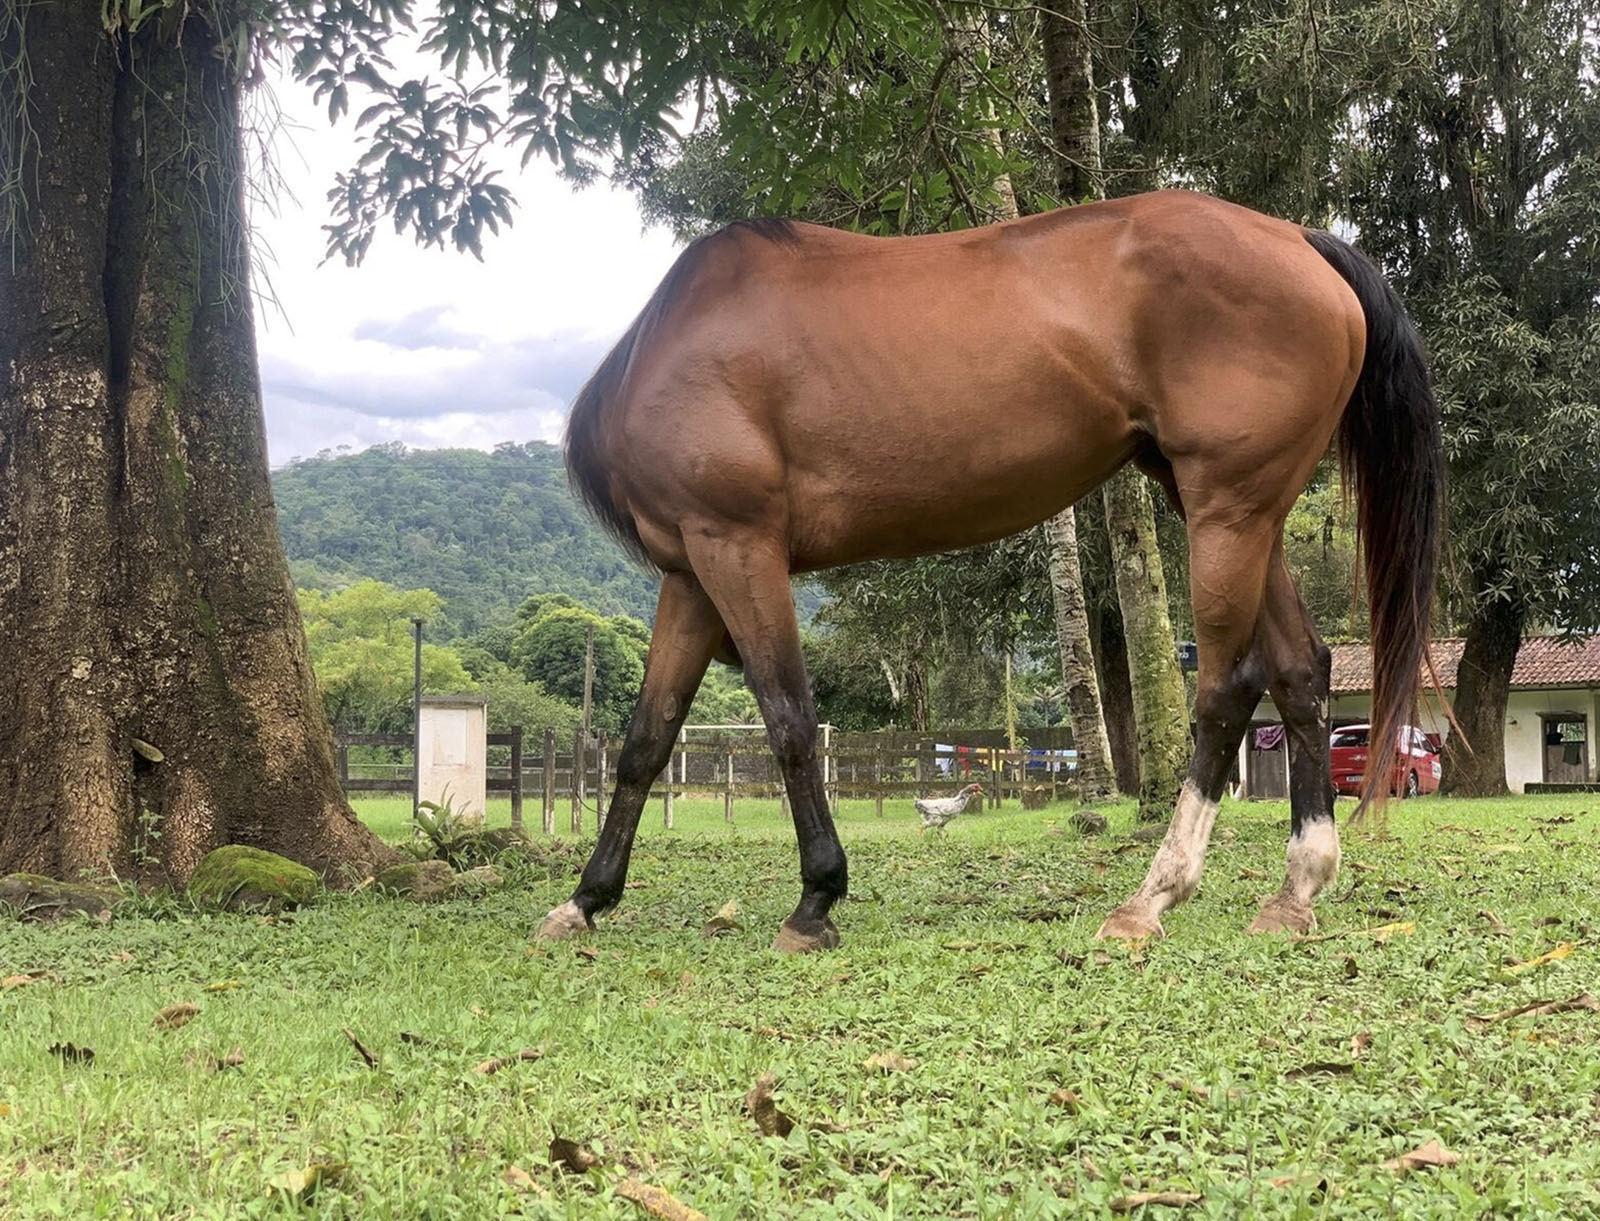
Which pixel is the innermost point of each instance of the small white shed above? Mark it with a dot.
(453, 753)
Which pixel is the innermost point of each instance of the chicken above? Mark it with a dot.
(937, 811)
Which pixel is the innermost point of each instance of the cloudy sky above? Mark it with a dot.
(432, 347)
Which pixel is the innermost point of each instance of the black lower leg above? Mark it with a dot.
(824, 870)
(1301, 695)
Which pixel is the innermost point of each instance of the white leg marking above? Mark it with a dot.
(565, 921)
(1174, 873)
(1313, 859)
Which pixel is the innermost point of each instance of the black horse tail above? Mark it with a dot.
(582, 451)
(1392, 450)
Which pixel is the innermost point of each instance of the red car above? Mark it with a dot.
(1416, 761)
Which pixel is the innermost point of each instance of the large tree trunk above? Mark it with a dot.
(1160, 712)
(1116, 697)
(143, 589)
(1094, 775)
(1477, 768)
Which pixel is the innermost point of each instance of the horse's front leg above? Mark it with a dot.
(748, 579)
(687, 630)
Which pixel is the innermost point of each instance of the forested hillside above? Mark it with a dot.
(483, 530)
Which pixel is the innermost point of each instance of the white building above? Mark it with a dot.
(1551, 714)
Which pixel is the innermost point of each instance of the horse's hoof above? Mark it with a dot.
(1283, 916)
(1129, 923)
(816, 935)
(565, 921)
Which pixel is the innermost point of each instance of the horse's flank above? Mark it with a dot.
(844, 397)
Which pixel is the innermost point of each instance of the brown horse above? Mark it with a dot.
(793, 398)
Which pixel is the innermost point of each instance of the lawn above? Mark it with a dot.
(1031, 1072)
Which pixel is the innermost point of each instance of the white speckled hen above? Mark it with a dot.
(937, 811)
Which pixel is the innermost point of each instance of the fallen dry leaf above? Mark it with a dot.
(960, 945)
(656, 1202)
(1549, 956)
(362, 1049)
(1138, 1199)
(1430, 1155)
(1089, 1168)
(122, 956)
(5, 1110)
(572, 1156)
(520, 1180)
(1352, 968)
(303, 1183)
(1199, 1092)
(1400, 928)
(587, 951)
(223, 985)
(1319, 1068)
(1360, 1042)
(1066, 1098)
(174, 1016)
(764, 1110)
(1583, 1000)
(417, 1040)
(23, 980)
(1494, 923)
(490, 1067)
(233, 1059)
(889, 1062)
(72, 1053)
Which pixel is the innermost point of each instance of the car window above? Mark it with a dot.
(1350, 737)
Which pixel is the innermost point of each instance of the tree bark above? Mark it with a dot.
(1160, 712)
(1159, 709)
(143, 587)
(1477, 767)
(1116, 697)
(1094, 773)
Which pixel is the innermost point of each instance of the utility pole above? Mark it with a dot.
(416, 717)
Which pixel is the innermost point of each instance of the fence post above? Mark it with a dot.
(516, 777)
(341, 754)
(727, 793)
(877, 777)
(600, 782)
(549, 779)
(830, 770)
(667, 797)
(577, 781)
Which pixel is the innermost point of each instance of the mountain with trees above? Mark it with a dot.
(482, 530)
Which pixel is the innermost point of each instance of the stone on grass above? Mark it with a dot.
(32, 896)
(420, 881)
(1089, 822)
(484, 877)
(236, 878)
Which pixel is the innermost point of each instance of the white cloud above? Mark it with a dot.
(433, 348)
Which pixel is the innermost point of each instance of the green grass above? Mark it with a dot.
(971, 955)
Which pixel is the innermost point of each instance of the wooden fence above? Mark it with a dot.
(735, 763)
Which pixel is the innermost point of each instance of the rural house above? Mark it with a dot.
(1550, 717)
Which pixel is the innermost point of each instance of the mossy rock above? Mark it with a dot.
(35, 897)
(237, 878)
(421, 881)
(1089, 822)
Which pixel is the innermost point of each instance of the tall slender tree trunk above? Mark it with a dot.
(144, 597)
(1483, 686)
(1096, 781)
(1157, 683)
(1116, 696)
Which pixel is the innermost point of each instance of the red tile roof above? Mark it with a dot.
(1542, 661)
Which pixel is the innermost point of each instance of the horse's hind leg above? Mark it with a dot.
(748, 579)
(1297, 673)
(1227, 573)
(687, 630)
